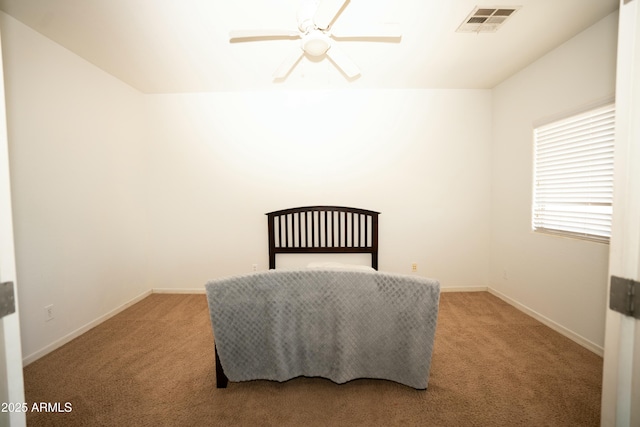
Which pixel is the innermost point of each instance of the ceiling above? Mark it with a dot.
(170, 46)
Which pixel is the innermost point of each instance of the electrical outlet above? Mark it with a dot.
(254, 267)
(414, 267)
(48, 312)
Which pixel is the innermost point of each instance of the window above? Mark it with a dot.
(573, 175)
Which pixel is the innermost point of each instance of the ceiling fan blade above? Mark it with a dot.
(388, 30)
(287, 65)
(327, 12)
(343, 62)
(260, 33)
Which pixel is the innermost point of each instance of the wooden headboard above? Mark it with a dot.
(323, 229)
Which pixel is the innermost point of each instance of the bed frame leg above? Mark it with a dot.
(221, 378)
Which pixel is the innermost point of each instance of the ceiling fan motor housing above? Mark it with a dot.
(316, 43)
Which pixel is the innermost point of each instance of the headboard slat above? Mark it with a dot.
(299, 230)
(339, 229)
(313, 230)
(333, 225)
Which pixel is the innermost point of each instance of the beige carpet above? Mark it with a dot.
(153, 365)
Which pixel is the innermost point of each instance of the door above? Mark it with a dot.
(621, 374)
(11, 382)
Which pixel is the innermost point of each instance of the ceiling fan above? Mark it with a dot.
(317, 37)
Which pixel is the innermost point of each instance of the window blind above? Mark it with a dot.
(573, 175)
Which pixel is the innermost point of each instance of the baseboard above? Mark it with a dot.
(545, 320)
(464, 289)
(75, 334)
(178, 291)
(589, 345)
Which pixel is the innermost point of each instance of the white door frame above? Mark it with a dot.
(621, 372)
(11, 379)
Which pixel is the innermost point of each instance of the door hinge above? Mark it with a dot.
(7, 299)
(624, 296)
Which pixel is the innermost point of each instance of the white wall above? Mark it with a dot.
(564, 280)
(220, 161)
(77, 165)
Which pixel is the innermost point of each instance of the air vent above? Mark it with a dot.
(486, 20)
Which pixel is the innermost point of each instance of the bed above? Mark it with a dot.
(335, 321)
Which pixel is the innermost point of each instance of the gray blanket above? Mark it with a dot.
(332, 323)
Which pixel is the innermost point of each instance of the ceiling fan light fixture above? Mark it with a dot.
(315, 44)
